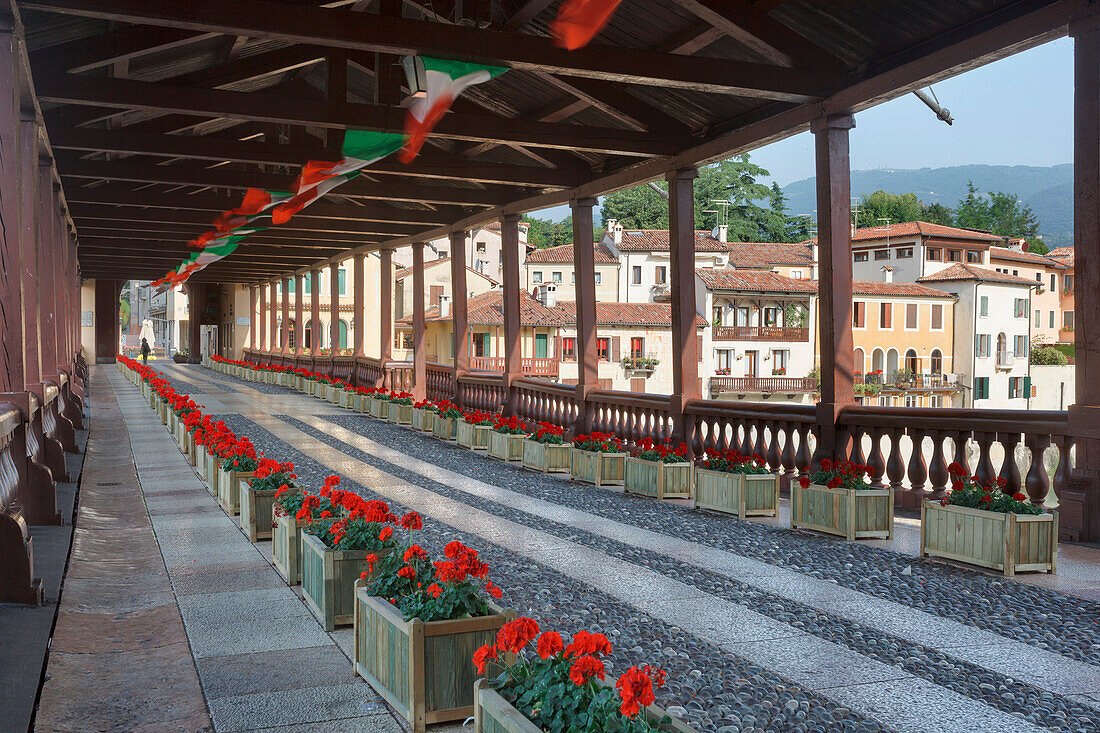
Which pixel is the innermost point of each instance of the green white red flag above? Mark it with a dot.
(579, 21)
(445, 81)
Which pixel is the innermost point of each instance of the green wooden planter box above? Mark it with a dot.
(657, 480)
(1010, 543)
(378, 408)
(399, 414)
(286, 546)
(334, 394)
(850, 513)
(505, 446)
(424, 670)
(740, 494)
(328, 581)
(348, 399)
(181, 436)
(422, 419)
(445, 428)
(229, 489)
(171, 423)
(255, 509)
(494, 714)
(209, 471)
(269, 377)
(593, 467)
(547, 457)
(474, 437)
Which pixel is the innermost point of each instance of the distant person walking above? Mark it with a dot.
(144, 351)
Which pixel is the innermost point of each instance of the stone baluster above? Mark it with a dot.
(1037, 482)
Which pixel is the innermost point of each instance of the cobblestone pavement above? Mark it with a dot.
(761, 628)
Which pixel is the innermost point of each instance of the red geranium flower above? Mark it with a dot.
(482, 655)
(585, 668)
(550, 643)
(514, 635)
(636, 691)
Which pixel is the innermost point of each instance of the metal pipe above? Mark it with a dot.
(941, 112)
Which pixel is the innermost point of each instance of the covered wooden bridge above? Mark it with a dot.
(127, 126)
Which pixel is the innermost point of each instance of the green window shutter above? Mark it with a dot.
(343, 276)
(1027, 386)
(1011, 385)
(309, 284)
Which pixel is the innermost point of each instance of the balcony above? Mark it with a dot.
(532, 367)
(761, 333)
(746, 385)
(1005, 360)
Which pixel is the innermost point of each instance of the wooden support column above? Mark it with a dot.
(253, 297)
(273, 318)
(458, 310)
(420, 363)
(12, 377)
(60, 288)
(1079, 504)
(284, 334)
(359, 318)
(28, 247)
(584, 265)
(685, 347)
(299, 309)
(195, 298)
(834, 236)
(315, 313)
(47, 242)
(334, 308)
(513, 355)
(385, 313)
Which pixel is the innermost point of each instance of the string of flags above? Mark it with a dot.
(441, 82)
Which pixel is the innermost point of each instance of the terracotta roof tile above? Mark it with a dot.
(766, 255)
(656, 240)
(754, 280)
(1063, 255)
(1015, 255)
(487, 309)
(407, 271)
(924, 229)
(625, 314)
(564, 255)
(901, 290)
(962, 271)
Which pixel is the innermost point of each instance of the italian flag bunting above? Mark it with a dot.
(445, 81)
(579, 21)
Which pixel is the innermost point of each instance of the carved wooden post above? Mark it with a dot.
(685, 344)
(359, 320)
(44, 261)
(835, 280)
(513, 354)
(253, 297)
(269, 342)
(284, 334)
(420, 365)
(585, 266)
(28, 246)
(334, 309)
(12, 377)
(299, 308)
(385, 312)
(314, 315)
(195, 293)
(458, 311)
(1080, 502)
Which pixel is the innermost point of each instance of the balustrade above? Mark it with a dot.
(760, 333)
(368, 372)
(17, 581)
(399, 375)
(482, 392)
(529, 367)
(742, 385)
(541, 401)
(630, 416)
(440, 382)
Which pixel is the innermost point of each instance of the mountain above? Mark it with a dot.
(1047, 190)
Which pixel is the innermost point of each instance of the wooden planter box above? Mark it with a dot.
(494, 714)
(445, 428)
(286, 546)
(422, 419)
(269, 377)
(181, 435)
(1010, 543)
(850, 513)
(657, 480)
(349, 399)
(229, 489)
(255, 509)
(378, 408)
(741, 494)
(328, 581)
(334, 394)
(547, 457)
(505, 446)
(400, 414)
(474, 437)
(311, 386)
(172, 420)
(593, 467)
(424, 670)
(209, 471)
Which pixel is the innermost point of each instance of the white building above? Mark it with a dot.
(483, 249)
(917, 249)
(1046, 298)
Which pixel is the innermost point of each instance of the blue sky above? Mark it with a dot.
(1017, 111)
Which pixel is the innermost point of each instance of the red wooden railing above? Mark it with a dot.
(760, 333)
(482, 392)
(441, 382)
(529, 367)
(541, 401)
(762, 384)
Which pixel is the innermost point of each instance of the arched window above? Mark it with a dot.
(858, 359)
(307, 338)
(891, 363)
(937, 362)
(912, 361)
(1002, 347)
(343, 329)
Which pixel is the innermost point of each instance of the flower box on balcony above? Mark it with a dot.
(596, 467)
(255, 509)
(850, 513)
(328, 580)
(229, 493)
(286, 545)
(740, 494)
(547, 457)
(1010, 543)
(506, 446)
(493, 714)
(400, 414)
(422, 419)
(378, 408)
(657, 479)
(474, 437)
(445, 428)
(424, 670)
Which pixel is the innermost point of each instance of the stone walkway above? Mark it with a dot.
(760, 628)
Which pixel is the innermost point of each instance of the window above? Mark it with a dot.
(569, 348)
(1053, 323)
(1016, 388)
(796, 274)
(934, 253)
(556, 277)
(884, 401)
(1039, 278)
(882, 254)
(637, 347)
(722, 360)
(481, 247)
(780, 358)
(441, 254)
(1020, 345)
(911, 312)
(1067, 320)
(912, 361)
(859, 314)
(937, 317)
(911, 401)
(935, 400)
(597, 278)
(1039, 318)
(905, 253)
(771, 316)
(954, 255)
(1053, 282)
(885, 315)
(342, 280)
(974, 257)
(1067, 283)
(752, 359)
(741, 317)
(982, 344)
(660, 274)
(1021, 307)
(572, 278)
(983, 309)
(603, 349)
(536, 276)
(636, 275)
(859, 257)
(981, 388)
(936, 366)
(1015, 273)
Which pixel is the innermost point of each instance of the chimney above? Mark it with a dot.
(547, 294)
(721, 233)
(887, 274)
(615, 229)
(444, 306)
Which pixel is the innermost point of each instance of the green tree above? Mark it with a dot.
(997, 212)
(1037, 246)
(545, 233)
(938, 214)
(895, 208)
(638, 207)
